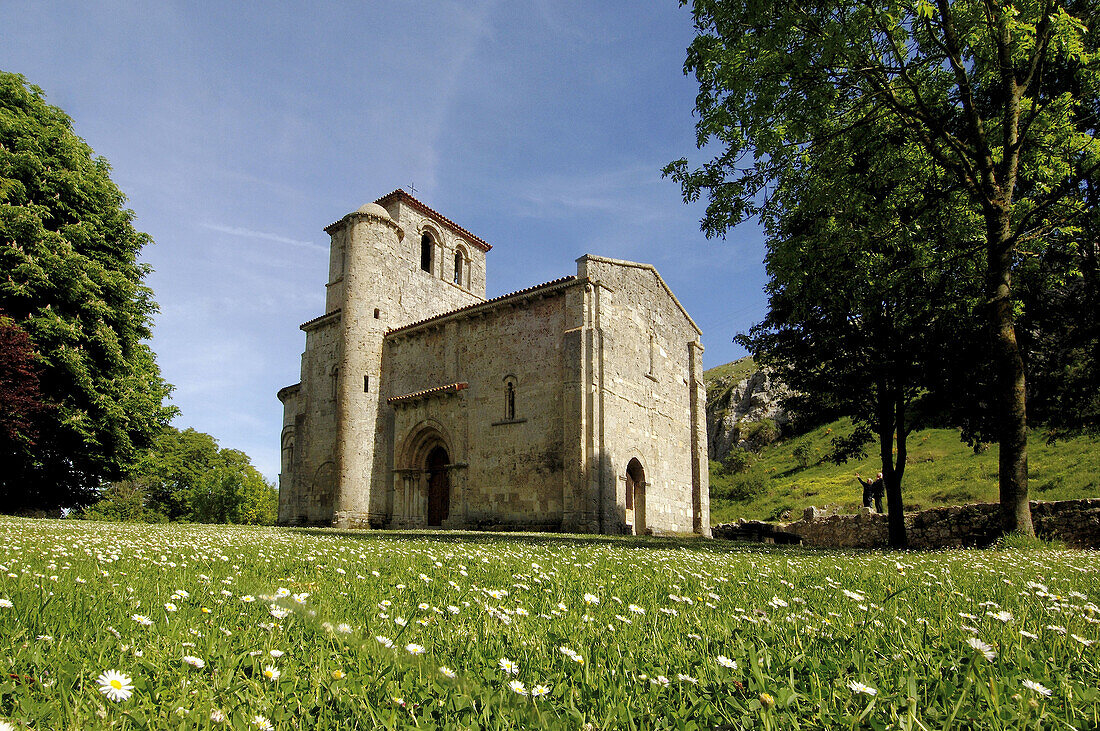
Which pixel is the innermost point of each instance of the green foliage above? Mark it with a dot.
(1020, 542)
(738, 460)
(982, 116)
(942, 471)
(123, 501)
(759, 433)
(803, 454)
(72, 281)
(852, 445)
(173, 468)
(680, 634)
(185, 476)
(235, 493)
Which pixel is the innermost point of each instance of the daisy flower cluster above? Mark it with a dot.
(234, 626)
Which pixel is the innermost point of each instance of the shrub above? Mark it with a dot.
(758, 434)
(803, 454)
(746, 487)
(123, 501)
(738, 461)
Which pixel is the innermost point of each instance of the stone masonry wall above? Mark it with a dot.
(511, 468)
(1076, 522)
(647, 396)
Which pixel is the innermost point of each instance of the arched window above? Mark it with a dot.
(458, 268)
(510, 398)
(426, 246)
(334, 375)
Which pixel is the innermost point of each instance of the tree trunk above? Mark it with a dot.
(894, 508)
(887, 417)
(1010, 392)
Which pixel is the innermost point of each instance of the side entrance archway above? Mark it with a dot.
(439, 487)
(635, 494)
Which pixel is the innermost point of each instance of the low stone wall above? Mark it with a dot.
(1076, 522)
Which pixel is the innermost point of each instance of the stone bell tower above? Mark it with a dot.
(391, 263)
(362, 251)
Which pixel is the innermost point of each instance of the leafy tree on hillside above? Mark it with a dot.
(993, 92)
(865, 300)
(72, 281)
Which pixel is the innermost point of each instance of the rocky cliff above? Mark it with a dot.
(743, 407)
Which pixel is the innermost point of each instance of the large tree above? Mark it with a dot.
(72, 281)
(865, 300)
(994, 92)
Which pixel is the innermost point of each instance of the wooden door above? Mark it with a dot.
(438, 486)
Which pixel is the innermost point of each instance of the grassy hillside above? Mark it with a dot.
(941, 470)
(731, 372)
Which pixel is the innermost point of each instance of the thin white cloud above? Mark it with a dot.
(263, 235)
(632, 191)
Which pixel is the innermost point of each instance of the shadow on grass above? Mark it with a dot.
(686, 542)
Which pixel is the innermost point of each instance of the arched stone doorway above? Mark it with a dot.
(439, 487)
(426, 489)
(635, 494)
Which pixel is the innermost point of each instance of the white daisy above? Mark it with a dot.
(115, 685)
(858, 687)
(986, 650)
(1037, 687)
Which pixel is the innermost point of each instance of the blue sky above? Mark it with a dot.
(238, 130)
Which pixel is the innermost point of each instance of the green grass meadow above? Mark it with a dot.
(940, 470)
(208, 627)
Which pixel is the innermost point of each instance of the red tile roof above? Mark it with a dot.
(401, 195)
(456, 387)
(314, 321)
(494, 300)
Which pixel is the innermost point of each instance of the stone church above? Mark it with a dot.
(575, 405)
